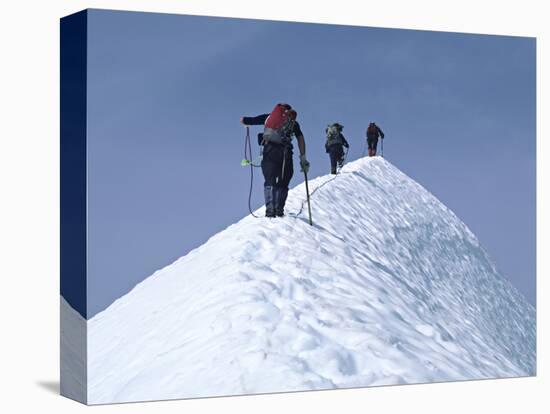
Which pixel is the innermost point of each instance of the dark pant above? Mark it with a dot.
(336, 153)
(372, 143)
(277, 169)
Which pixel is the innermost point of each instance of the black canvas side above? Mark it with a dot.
(73, 74)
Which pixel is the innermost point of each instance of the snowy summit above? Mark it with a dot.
(387, 287)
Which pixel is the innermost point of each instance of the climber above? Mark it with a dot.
(373, 133)
(334, 146)
(277, 165)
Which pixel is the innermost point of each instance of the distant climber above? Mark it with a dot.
(373, 133)
(277, 165)
(334, 146)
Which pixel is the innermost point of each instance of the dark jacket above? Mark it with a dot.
(344, 143)
(379, 133)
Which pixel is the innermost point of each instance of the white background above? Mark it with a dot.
(29, 206)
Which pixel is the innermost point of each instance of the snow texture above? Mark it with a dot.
(73, 353)
(387, 287)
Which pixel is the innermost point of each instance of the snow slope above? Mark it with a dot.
(387, 287)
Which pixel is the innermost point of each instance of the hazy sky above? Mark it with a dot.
(164, 143)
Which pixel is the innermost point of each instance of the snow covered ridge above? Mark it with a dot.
(387, 287)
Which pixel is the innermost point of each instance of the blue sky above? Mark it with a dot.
(165, 93)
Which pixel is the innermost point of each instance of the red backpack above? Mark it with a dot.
(279, 124)
(280, 116)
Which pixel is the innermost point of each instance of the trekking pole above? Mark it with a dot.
(364, 148)
(308, 202)
(382, 148)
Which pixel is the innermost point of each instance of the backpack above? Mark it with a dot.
(372, 131)
(334, 135)
(279, 124)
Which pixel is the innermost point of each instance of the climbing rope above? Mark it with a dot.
(344, 159)
(248, 159)
(319, 187)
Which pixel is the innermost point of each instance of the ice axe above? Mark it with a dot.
(308, 202)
